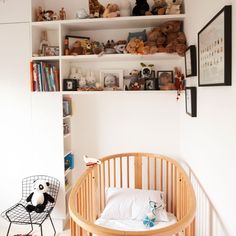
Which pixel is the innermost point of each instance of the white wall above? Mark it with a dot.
(208, 141)
(108, 123)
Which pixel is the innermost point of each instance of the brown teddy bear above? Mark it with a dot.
(159, 7)
(95, 8)
(76, 49)
(111, 10)
(135, 46)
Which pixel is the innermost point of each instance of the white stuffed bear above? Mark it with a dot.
(39, 197)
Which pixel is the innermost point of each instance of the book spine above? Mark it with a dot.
(40, 78)
(31, 77)
(52, 79)
(48, 78)
(35, 74)
(56, 78)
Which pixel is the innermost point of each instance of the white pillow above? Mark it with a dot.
(131, 204)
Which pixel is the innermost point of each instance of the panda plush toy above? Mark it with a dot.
(39, 198)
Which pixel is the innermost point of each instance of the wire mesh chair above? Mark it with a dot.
(18, 214)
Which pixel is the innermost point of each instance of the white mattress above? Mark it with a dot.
(134, 225)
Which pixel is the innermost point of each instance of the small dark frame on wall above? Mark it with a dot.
(215, 50)
(191, 61)
(191, 101)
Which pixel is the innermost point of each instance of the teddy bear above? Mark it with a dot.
(174, 7)
(141, 8)
(111, 10)
(95, 8)
(76, 49)
(135, 46)
(159, 7)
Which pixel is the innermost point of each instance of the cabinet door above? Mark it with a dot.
(15, 116)
(12, 11)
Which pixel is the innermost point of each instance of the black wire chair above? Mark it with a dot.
(18, 214)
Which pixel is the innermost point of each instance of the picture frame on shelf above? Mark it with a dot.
(166, 80)
(73, 38)
(111, 79)
(215, 50)
(51, 50)
(151, 84)
(191, 101)
(69, 85)
(191, 61)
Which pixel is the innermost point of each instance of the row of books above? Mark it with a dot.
(44, 77)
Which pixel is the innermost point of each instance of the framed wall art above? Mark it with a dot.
(191, 101)
(215, 50)
(191, 61)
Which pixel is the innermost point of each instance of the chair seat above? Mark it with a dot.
(19, 215)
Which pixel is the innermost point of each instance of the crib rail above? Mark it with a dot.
(132, 170)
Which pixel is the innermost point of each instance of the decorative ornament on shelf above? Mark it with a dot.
(81, 14)
(91, 161)
(111, 10)
(141, 8)
(179, 82)
(62, 14)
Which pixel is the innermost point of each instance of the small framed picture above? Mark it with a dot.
(191, 61)
(191, 101)
(69, 85)
(50, 50)
(150, 84)
(111, 79)
(73, 38)
(166, 80)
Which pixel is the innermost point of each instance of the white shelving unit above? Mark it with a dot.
(100, 30)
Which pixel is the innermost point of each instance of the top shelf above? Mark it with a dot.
(110, 23)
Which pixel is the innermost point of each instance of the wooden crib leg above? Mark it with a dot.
(72, 228)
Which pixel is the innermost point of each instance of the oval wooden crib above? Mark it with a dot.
(132, 170)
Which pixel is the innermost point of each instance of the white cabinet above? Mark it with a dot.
(15, 107)
(13, 11)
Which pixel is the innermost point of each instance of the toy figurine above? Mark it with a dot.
(141, 8)
(81, 14)
(44, 42)
(62, 14)
(40, 14)
(91, 161)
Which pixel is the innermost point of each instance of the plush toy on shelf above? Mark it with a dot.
(39, 197)
(159, 7)
(135, 46)
(174, 7)
(141, 8)
(95, 9)
(111, 10)
(91, 161)
(76, 49)
(179, 82)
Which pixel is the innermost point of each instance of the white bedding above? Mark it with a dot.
(133, 225)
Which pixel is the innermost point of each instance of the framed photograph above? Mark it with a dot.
(191, 61)
(111, 79)
(150, 84)
(50, 50)
(73, 38)
(215, 50)
(69, 85)
(166, 80)
(191, 101)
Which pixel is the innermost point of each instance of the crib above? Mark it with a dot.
(132, 170)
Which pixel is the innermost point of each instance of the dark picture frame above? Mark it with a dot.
(165, 79)
(191, 61)
(73, 38)
(70, 85)
(51, 50)
(191, 101)
(215, 50)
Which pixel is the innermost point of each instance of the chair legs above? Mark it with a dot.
(41, 230)
(8, 231)
(52, 225)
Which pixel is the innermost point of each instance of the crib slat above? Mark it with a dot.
(100, 188)
(167, 185)
(155, 173)
(161, 174)
(72, 228)
(103, 174)
(127, 171)
(109, 174)
(172, 189)
(114, 164)
(121, 175)
(148, 172)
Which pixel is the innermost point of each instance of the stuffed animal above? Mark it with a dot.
(174, 7)
(141, 8)
(159, 7)
(91, 161)
(146, 71)
(111, 10)
(151, 217)
(135, 46)
(77, 49)
(95, 9)
(39, 198)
